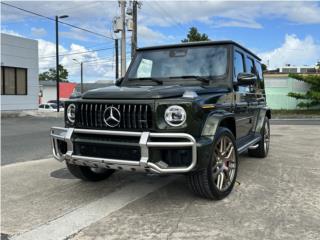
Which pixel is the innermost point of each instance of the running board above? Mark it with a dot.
(249, 144)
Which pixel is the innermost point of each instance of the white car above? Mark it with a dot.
(49, 107)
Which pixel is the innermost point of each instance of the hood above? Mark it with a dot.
(146, 92)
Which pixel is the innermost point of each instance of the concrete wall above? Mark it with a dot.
(277, 88)
(21, 52)
(48, 93)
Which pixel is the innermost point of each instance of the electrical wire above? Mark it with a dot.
(76, 53)
(52, 19)
(164, 12)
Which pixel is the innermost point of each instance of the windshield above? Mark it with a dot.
(188, 62)
(53, 105)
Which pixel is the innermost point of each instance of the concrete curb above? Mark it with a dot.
(295, 119)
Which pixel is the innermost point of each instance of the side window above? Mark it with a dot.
(259, 70)
(250, 65)
(145, 68)
(46, 106)
(41, 106)
(238, 64)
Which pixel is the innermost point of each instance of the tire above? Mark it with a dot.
(205, 182)
(262, 150)
(88, 174)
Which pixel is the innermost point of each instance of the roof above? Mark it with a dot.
(201, 43)
(47, 83)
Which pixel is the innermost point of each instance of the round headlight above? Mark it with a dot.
(175, 116)
(71, 113)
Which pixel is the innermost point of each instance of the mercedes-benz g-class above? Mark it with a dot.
(188, 108)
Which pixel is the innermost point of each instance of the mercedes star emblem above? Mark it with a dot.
(111, 117)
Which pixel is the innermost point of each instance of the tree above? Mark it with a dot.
(194, 36)
(312, 95)
(51, 74)
(264, 67)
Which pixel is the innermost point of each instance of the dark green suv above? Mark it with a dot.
(189, 108)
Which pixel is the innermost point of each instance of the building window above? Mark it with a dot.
(13, 81)
(289, 70)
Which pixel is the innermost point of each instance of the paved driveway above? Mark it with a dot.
(275, 198)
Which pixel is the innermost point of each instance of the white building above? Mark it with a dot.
(48, 91)
(19, 73)
(297, 69)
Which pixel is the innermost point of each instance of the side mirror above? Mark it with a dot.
(119, 81)
(245, 79)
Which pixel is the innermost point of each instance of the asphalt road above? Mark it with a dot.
(275, 198)
(26, 138)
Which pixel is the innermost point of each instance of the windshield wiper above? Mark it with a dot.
(202, 79)
(158, 81)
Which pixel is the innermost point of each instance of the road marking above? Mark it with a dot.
(82, 217)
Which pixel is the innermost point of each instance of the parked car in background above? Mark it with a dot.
(49, 107)
(61, 103)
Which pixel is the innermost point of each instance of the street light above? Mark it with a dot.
(57, 60)
(81, 73)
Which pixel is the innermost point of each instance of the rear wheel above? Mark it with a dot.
(89, 174)
(263, 148)
(217, 180)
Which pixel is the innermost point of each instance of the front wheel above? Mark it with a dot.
(217, 180)
(89, 174)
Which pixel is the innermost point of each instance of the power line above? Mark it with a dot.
(75, 53)
(179, 25)
(52, 19)
(74, 66)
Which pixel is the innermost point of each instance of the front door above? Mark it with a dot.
(243, 114)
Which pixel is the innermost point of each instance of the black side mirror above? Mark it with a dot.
(245, 79)
(119, 81)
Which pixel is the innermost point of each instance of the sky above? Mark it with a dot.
(280, 32)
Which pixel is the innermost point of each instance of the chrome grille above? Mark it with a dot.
(133, 116)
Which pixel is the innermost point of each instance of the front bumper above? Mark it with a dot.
(65, 135)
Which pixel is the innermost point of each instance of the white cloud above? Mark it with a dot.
(97, 16)
(228, 13)
(10, 32)
(95, 67)
(294, 51)
(38, 32)
(149, 36)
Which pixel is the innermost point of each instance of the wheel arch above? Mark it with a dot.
(264, 112)
(268, 113)
(219, 119)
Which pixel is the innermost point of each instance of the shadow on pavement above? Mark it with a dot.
(62, 173)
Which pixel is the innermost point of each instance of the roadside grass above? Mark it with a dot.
(296, 113)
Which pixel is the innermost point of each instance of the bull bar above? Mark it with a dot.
(65, 135)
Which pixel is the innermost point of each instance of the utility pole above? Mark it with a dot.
(81, 70)
(134, 28)
(57, 64)
(116, 44)
(57, 60)
(123, 37)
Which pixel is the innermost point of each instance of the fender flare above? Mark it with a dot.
(263, 112)
(214, 120)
